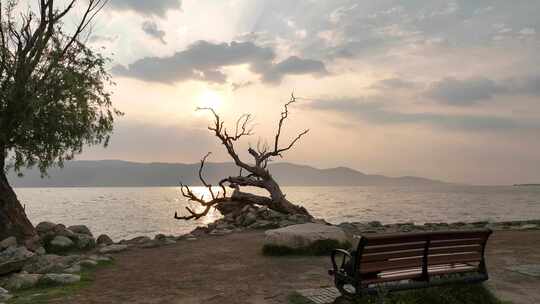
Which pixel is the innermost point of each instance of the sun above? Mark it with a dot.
(210, 99)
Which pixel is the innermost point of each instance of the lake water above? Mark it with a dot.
(129, 212)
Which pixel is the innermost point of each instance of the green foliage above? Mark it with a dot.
(54, 96)
(320, 247)
(454, 294)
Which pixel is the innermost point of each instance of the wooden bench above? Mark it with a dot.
(411, 260)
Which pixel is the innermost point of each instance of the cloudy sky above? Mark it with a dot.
(441, 89)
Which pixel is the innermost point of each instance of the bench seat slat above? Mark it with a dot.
(416, 273)
(385, 255)
(395, 247)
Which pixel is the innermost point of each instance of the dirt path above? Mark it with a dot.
(230, 269)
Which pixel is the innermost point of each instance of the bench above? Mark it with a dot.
(405, 261)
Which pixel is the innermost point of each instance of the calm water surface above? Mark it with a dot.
(129, 212)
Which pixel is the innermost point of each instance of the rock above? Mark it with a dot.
(100, 258)
(88, 263)
(20, 281)
(61, 230)
(4, 295)
(113, 248)
(137, 240)
(375, 224)
(264, 224)
(221, 231)
(40, 251)
(60, 244)
(527, 227)
(85, 241)
(13, 259)
(45, 227)
(303, 235)
(151, 244)
(249, 219)
(50, 263)
(160, 236)
(8, 242)
(81, 229)
(104, 240)
(59, 279)
(76, 268)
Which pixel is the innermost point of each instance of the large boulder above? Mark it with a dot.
(13, 259)
(304, 235)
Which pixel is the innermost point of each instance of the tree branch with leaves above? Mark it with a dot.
(54, 96)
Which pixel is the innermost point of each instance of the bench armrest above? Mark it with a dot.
(345, 255)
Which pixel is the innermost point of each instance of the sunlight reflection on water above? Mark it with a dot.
(129, 212)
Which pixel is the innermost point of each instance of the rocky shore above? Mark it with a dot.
(59, 253)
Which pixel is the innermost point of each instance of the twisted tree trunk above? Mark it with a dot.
(13, 219)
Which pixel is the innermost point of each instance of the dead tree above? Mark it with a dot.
(257, 173)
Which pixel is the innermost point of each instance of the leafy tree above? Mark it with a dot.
(53, 95)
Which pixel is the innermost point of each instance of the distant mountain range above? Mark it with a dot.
(116, 173)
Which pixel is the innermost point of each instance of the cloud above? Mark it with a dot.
(295, 66)
(145, 7)
(204, 61)
(394, 83)
(151, 29)
(463, 92)
(375, 112)
(471, 91)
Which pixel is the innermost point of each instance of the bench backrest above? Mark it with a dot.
(406, 251)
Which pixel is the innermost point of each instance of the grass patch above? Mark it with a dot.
(320, 247)
(43, 294)
(453, 294)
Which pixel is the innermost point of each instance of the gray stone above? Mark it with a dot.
(61, 244)
(527, 227)
(104, 240)
(40, 251)
(249, 219)
(59, 279)
(85, 241)
(50, 263)
(20, 281)
(88, 263)
(100, 258)
(264, 224)
(81, 229)
(76, 268)
(160, 236)
(113, 248)
(4, 295)
(375, 224)
(13, 259)
(303, 235)
(8, 242)
(45, 227)
(137, 240)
